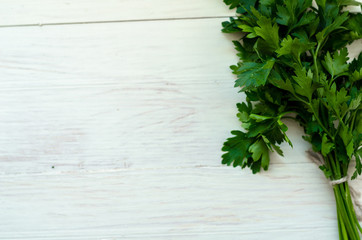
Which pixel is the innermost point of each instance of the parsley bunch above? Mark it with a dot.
(294, 64)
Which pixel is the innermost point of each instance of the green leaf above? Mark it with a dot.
(274, 135)
(337, 100)
(294, 47)
(277, 81)
(259, 128)
(304, 82)
(288, 13)
(230, 26)
(327, 145)
(236, 149)
(248, 29)
(354, 23)
(337, 23)
(321, 3)
(347, 137)
(277, 149)
(263, 48)
(337, 64)
(304, 5)
(283, 127)
(259, 152)
(349, 149)
(356, 76)
(252, 74)
(313, 127)
(306, 19)
(358, 123)
(232, 3)
(259, 118)
(267, 2)
(246, 5)
(269, 32)
(355, 103)
(283, 16)
(243, 115)
(243, 53)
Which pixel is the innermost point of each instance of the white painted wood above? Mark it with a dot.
(84, 97)
(65, 11)
(290, 201)
(132, 116)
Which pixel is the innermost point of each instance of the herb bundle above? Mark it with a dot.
(294, 64)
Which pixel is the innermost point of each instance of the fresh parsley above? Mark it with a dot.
(294, 64)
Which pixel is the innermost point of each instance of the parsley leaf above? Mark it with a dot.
(294, 47)
(260, 151)
(236, 148)
(268, 32)
(252, 74)
(327, 146)
(338, 63)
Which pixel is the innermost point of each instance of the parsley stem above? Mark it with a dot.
(344, 235)
(336, 175)
(345, 219)
(339, 175)
(315, 54)
(319, 121)
(300, 99)
(349, 211)
(341, 230)
(352, 121)
(324, 114)
(309, 104)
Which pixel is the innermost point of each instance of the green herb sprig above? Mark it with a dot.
(294, 64)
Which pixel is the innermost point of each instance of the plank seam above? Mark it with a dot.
(110, 21)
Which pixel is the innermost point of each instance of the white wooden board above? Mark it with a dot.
(172, 203)
(132, 116)
(25, 12)
(84, 97)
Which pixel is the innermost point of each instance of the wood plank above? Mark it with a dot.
(63, 11)
(132, 116)
(42, 12)
(290, 201)
(83, 97)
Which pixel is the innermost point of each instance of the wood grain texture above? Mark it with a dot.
(187, 203)
(26, 12)
(83, 97)
(132, 116)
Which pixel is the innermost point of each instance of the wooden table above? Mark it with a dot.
(113, 114)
